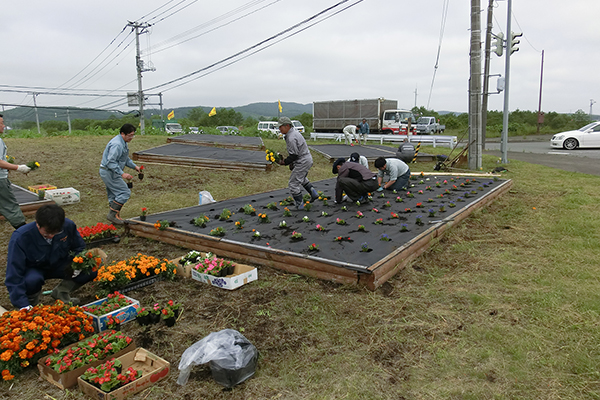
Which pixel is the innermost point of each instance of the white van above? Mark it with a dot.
(270, 126)
(298, 125)
(173, 128)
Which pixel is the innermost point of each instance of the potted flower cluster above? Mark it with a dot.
(97, 232)
(215, 266)
(170, 313)
(26, 336)
(86, 262)
(95, 348)
(122, 273)
(272, 156)
(143, 213)
(110, 376)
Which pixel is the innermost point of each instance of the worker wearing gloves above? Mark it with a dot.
(114, 159)
(354, 179)
(350, 134)
(398, 171)
(43, 250)
(9, 206)
(299, 160)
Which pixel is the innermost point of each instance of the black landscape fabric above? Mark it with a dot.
(204, 152)
(220, 139)
(393, 216)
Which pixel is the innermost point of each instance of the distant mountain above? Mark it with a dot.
(254, 110)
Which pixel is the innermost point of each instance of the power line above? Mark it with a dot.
(445, 7)
(209, 23)
(261, 43)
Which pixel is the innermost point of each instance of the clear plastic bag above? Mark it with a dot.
(204, 197)
(231, 356)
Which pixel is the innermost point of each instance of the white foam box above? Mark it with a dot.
(63, 196)
(242, 274)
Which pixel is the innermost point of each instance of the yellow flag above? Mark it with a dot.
(212, 112)
(280, 108)
(171, 115)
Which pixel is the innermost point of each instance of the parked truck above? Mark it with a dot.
(429, 125)
(382, 115)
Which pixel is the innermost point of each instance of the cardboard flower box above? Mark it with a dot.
(63, 196)
(69, 379)
(242, 274)
(125, 314)
(37, 188)
(153, 370)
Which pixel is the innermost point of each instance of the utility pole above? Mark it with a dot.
(474, 144)
(162, 118)
(540, 119)
(504, 140)
(37, 117)
(415, 96)
(140, 28)
(486, 72)
(69, 120)
(591, 104)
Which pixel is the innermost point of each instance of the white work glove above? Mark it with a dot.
(26, 308)
(23, 169)
(75, 273)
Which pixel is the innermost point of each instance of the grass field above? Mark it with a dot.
(505, 306)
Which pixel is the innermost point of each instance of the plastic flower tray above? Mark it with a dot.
(140, 284)
(99, 242)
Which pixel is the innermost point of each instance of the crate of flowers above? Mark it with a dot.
(187, 262)
(27, 336)
(223, 273)
(99, 234)
(112, 311)
(63, 367)
(136, 271)
(121, 377)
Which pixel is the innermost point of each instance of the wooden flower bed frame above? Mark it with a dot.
(372, 276)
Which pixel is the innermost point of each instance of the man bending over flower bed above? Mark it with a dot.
(44, 250)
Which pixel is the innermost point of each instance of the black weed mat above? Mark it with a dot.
(230, 140)
(203, 152)
(23, 195)
(390, 220)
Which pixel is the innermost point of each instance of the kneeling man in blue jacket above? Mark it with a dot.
(43, 250)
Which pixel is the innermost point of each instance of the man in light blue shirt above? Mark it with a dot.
(363, 130)
(114, 159)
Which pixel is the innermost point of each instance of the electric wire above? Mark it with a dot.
(261, 43)
(157, 47)
(445, 7)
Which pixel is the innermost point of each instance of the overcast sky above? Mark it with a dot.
(375, 48)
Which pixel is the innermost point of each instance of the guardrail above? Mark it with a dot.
(434, 140)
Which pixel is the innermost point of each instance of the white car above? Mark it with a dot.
(228, 130)
(270, 126)
(298, 125)
(588, 136)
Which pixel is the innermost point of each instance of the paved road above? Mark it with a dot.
(537, 150)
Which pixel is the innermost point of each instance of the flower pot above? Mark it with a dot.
(142, 217)
(143, 319)
(230, 270)
(170, 321)
(177, 312)
(141, 176)
(130, 185)
(154, 318)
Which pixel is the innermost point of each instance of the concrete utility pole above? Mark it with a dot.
(504, 141)
(140, 28)
(37, 117)
(486, 72)
(540, 119)
(475, 88)
(592, 101)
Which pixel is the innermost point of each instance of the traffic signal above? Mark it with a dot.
(499, 44)
(514, 41)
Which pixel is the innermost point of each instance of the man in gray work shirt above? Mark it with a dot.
(299, 160)
(398, 171)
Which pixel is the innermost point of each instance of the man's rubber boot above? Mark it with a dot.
(34, 299)
(312, 191)
(299, 202)
(113, 215)
(63, 291)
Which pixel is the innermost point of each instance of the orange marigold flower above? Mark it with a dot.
(6, 355)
